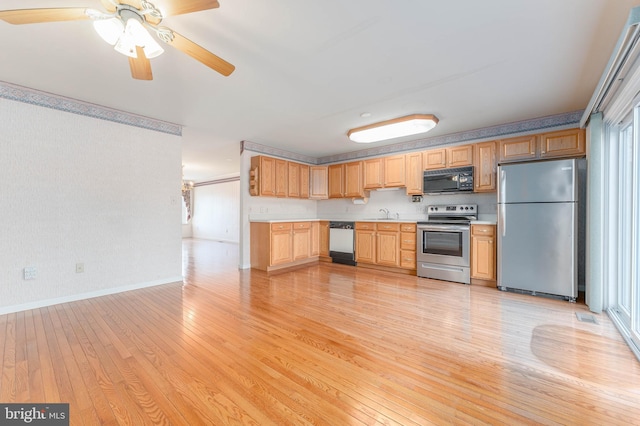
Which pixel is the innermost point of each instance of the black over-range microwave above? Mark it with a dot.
(448, 180)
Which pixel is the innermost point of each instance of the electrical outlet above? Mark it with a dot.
(30, 272)
(79, 268)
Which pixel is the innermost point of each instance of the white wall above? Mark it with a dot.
(216, 212)
(81, 190)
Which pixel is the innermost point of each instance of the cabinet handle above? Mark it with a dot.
(408, 241)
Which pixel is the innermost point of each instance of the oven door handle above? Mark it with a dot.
(443, 227)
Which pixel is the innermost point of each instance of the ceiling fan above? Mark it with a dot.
(126, 25)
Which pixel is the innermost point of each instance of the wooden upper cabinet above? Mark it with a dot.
(394, 175)
(262, 178)
(518, 149)
(336, 181)
(304, 181)
(282, 178)
(484, 172)
(318, 182)
(563, 143)
(459, 156)
(434, 159)
(293, 189)
(373, 173)
(353, 185)
(413, 173)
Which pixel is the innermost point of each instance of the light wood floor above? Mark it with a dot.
(327, 345)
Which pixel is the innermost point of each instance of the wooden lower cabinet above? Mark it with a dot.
(386, 244)
(323, 241)
(483, 254)
(408, 245)
(282, 244)
(301, 240)
(365, 242)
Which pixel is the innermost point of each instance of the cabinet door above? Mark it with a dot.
(483, 252)
(282, 180)
(365, 246)
(387, 250)
(319, 181)
(301, 240)
(394, 175)
(563, 143)
(324, 238)
(518, 149)
(263, 178)
(484, 172)
(314, 239)
(459, 156)
(293, 187)
(373, 172)
(304, 181)
(413, 173)
(281, 245)
(353, 185)
(336, 181)
(434, 159)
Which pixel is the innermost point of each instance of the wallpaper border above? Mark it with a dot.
(27, 95)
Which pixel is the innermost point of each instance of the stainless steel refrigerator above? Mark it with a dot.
(541, 227)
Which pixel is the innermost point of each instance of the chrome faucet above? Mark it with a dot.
(386, 212)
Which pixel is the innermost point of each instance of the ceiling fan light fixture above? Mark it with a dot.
(136, 35)
(109, 30)
(395, 128)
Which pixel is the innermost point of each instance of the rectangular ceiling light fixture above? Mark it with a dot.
(396, 128)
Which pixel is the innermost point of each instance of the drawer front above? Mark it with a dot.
(389, 227)
(408, 259)
(483, 230)
(408, 241)
(302, 225)
(366, 225)
(408, 227)
(281, 226)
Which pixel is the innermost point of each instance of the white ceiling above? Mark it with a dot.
(306, 70)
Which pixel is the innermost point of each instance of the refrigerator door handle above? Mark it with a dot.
(503, 220)
(502, 185)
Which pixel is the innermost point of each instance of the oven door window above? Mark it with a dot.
(444, 243)
(440, 183)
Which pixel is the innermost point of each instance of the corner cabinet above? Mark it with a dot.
(483, 255)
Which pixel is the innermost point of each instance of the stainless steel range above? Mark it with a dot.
(444, 242)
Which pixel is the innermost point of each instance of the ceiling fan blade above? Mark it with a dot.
(201, 54)
(140, 66)
(180, 7)
(35, 16)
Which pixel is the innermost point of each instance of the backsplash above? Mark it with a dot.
(399, 203)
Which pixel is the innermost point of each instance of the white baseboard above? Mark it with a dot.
(82, 296)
